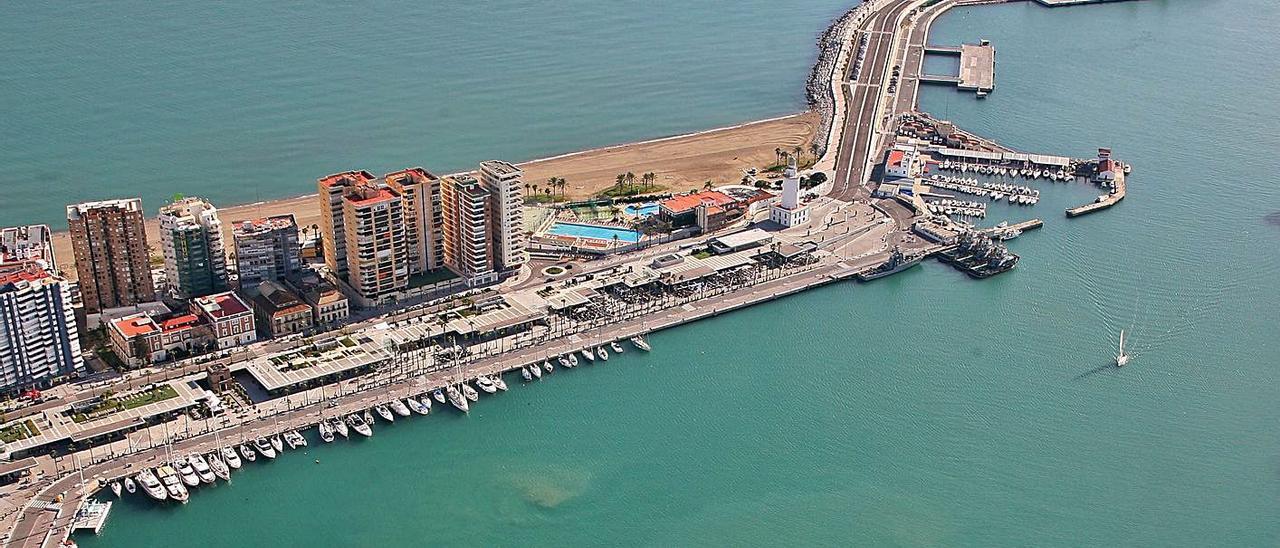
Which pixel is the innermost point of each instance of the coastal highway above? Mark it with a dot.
(863, 97)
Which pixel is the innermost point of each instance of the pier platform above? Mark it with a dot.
(1105, 201)
(977, 67)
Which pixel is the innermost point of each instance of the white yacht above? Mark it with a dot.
(486, 384)
(117, 488)
(276, 443)
(399, 408)
(326, 431)
(294, 439)
(130, 486)
(469, 392)
(368, 418)
(640, 343)
(359, 424)
(201, 466)
(498, 382)
(563, 362)
(1122, 357)
(456, 398)
(339, 426)
(246, 451)
(438, 394)
(172, 485)
(617, 348)
(546, 366)
(426, 403)
(151, 485)
(263, 446)
(187, 472)
(415, 406)
(231, 458)
(588, 354)
(536, 371)
(219, 468)
(573, 360)
(384, 413)
(525, 374)
(604, 354)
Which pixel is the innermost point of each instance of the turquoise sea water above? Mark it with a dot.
(598, 232)
(924, 409)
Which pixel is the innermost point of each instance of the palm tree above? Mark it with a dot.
(707, 185)
(798, 150)
(562, 183)
(777, 156)
(622, 178)
(526, 189)
(551, 182)
(814, 148)
(631, 179)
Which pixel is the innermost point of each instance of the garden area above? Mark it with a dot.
(109, 404)
(19, 431)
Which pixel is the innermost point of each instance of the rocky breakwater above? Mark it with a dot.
(818, 90)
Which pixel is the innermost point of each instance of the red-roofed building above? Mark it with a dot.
(681, 211)
(136, 339)
(230, 319)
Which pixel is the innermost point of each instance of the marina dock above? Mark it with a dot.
(1104, 201)
(977, 67)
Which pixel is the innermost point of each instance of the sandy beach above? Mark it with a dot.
(681, 163)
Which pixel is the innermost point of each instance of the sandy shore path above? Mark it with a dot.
(680, 163)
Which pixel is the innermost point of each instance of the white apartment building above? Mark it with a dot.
(195, 261)
(39, 340)
(505, 183)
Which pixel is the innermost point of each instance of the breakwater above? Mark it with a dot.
(818, 90)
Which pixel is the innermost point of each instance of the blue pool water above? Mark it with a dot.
(594, 231)
(643, 210)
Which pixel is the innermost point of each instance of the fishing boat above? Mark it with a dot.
(276, 443)
(573, 360)
(546, 366)
(385, 413)
(456, 398)
(469, 392)
(187, 472)
(536, 371)
(525, 374)
(264, 447)
(486, 384)
(604, 354)
(617, 348)
(173, 486)
(498, 382)
(219, 468)
(438, 395)
(1122, 357)
(640, 343)
(563, 362)
(414, 406)
(117, 488)
(339, 426)
(426, 403)
(326, 431)
(399, 408)
(201, 466)
(129, 486)
(588, 354)
(230, 457)
(359, 424)
(248, 453)
(151, 485)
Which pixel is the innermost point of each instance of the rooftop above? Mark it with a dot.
(221, 305)
(347, 178)
(500, 167)
(134, 325)
(364, 195)
(26, 243)
(679, 204)
(413, 175)
(175, 323)
(263, 224)
(74, 211)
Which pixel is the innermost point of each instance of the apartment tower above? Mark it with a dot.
(332, 224)
(39, 340)
(505, 185)
(419, 193)
(109, 244)
(266, 249)
(195, 260)
(467, 250)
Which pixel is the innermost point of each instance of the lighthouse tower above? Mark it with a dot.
(789, 211)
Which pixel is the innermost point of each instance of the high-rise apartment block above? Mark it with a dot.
(266, 249)
(195, 261)
(505, 185)
(468, 249)
(109, 242)
(39, 340)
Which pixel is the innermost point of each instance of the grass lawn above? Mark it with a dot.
(160, 393)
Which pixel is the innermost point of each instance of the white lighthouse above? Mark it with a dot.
(788, 211)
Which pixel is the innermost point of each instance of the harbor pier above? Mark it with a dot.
(977, 67)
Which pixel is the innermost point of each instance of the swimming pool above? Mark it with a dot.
(642, 210)
(607, 233)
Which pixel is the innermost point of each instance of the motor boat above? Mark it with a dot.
(617, 348)
(368, 418)
(524, 373)
(360, 425)
(535, 371)
(469, 392)
(276, 443)
(173, 486)
(604, 354)
(117, 488)
(457, 399)
(486, 384)
(640, 343)
(399, 408)
(498, 382)
(219, 467)
(294, 439)
(546, 366)
(426, 403)
(203, 471)
(438, 395)
(385, 413)
(187, 472)
(339, 426)
(264, 447)
(129, 486)
(326, 431)
(248, 453)
(230, 457)
(573, 360)
(414, 406)
(563, 362)
(151, 485)
(588, 354)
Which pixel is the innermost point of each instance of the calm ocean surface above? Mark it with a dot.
(924, 409)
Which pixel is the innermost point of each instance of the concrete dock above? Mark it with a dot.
(977, 67)
(1105, 201)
